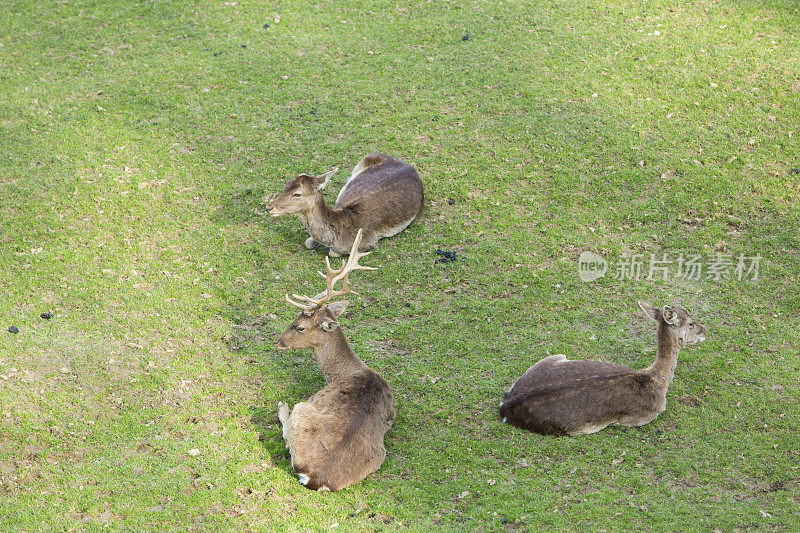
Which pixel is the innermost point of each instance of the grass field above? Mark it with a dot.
(138, 140)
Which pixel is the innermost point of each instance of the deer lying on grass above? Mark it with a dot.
(335, 438)
(557, 396)
(382, 196)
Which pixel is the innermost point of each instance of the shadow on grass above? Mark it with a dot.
(290, 376)
(296, 381)
(247, 206)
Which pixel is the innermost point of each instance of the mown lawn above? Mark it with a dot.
(138, 140)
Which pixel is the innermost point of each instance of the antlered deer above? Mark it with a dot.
(557, 396)
(335, 438)
(382, 196)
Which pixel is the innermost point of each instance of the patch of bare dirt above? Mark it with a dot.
(105, 518)
(391, 348)
(688, 399)
(762, 486)
(256, 332)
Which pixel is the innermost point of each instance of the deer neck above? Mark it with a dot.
(663, 368)
(335, 358)
(320, 221)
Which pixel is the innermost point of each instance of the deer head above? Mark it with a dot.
(309, 330)
(318, 317)
(687, 329)
(299, 194)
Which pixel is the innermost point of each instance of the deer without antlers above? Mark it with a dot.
(383, 196)
(557, 396)
(335, 438)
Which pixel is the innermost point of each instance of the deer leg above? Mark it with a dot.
(637, 419)
(368, 241)
(283, 415)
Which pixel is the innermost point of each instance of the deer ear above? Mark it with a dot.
(322, 179)
(671, 316)
(651, 311)
(337, 308)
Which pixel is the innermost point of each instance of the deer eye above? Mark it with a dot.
(300, 328)
(297, 195)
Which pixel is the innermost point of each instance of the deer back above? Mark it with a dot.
(385, 193)
(337, 436)
(568, 397)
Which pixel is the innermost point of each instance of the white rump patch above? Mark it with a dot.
(358, 169)
(549, 360)
(303, 479)
(557, 358)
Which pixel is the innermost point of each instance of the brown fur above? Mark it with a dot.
(335, 438)
(382, 196)
(561, 397)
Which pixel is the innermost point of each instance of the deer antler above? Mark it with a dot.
(333, 277)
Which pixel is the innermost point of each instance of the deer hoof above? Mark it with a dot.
(311, 243)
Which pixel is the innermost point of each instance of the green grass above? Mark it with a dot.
(138, 140)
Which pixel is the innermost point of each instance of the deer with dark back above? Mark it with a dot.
(557, 396)
(335, 438)
(382, 196)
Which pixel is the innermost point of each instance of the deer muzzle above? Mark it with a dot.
(274, 211)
